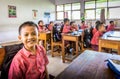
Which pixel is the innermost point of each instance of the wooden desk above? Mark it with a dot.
(110, 40)
(45, 36)
(89, 65)
(2, 54)
(69, 37)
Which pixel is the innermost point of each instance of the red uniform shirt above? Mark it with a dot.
(25, 65)
(95, 39)
(66, 29)
(110, 27)
(94, 31)
(42, 28)
(83, 26)
(75, 28)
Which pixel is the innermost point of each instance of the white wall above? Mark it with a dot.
(9, 26)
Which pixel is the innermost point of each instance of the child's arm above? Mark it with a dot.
(46, 71)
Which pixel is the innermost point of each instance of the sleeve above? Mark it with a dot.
(15, 71)
(96, 40)
(45, 56)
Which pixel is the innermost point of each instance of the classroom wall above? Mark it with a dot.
(9, 26)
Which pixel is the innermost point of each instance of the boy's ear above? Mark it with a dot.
(19, 37)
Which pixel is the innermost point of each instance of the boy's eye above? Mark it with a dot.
(25, 34)
(34, 33)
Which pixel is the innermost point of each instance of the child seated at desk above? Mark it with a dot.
(41, 26)
(31, 61)
(50, 26)
(97, 35)
(73, 26)
(83, 26)
(66, 26)
(111, 26)
(96, 27)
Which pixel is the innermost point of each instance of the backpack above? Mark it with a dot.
(11, 51)
(56, 34)
(87, 37)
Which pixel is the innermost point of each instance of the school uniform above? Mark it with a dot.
(110, 27)
(25, 65)
(94, 31)
(75, 28)
(95, 40)
(66, 29)
(42, 28)
(83, 26)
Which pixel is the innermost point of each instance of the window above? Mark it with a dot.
(98, 13)
(89, 5)
(90, 14)
(76, 6)
(112, 8)
(113, 3)
(101, 3)
(90, 10)
(60, 8)
(59, 15)
(70, 11)
(67, 7)
(114, 13)
(76, 15)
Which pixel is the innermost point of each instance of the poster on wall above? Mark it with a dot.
(12, 11)
(35, 14)
(46, 17)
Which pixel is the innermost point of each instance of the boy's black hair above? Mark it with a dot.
(97, 22)
(82, 21)
(99, 25)
(40, 21)
(51, 22)
(66, 19)
(111, 22)
(72, 22)
(27, 23)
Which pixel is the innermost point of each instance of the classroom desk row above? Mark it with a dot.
(76, 37)
(110, 40)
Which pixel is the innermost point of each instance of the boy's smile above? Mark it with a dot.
(29, 37)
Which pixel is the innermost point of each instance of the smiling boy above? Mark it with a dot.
(30, 62)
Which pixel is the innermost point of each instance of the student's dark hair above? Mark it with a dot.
(66, 19)
(51, 22)
(72, 22)
(99, 25)
(40, 21)
(111, 22)
(97, 22)
(27, 23)
(82, 21)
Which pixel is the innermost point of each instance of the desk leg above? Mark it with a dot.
(99, 46)
(45, 45)
(77, 47)
(63, 52)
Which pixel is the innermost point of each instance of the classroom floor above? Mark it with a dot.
(56, 65)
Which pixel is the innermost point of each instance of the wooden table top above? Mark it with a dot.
(89, 65)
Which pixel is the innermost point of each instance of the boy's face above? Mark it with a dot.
(102, 28)
(67, 23)
(29, 36)
(112, 23)
(41, 23)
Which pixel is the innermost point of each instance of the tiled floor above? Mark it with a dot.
(56, 65)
